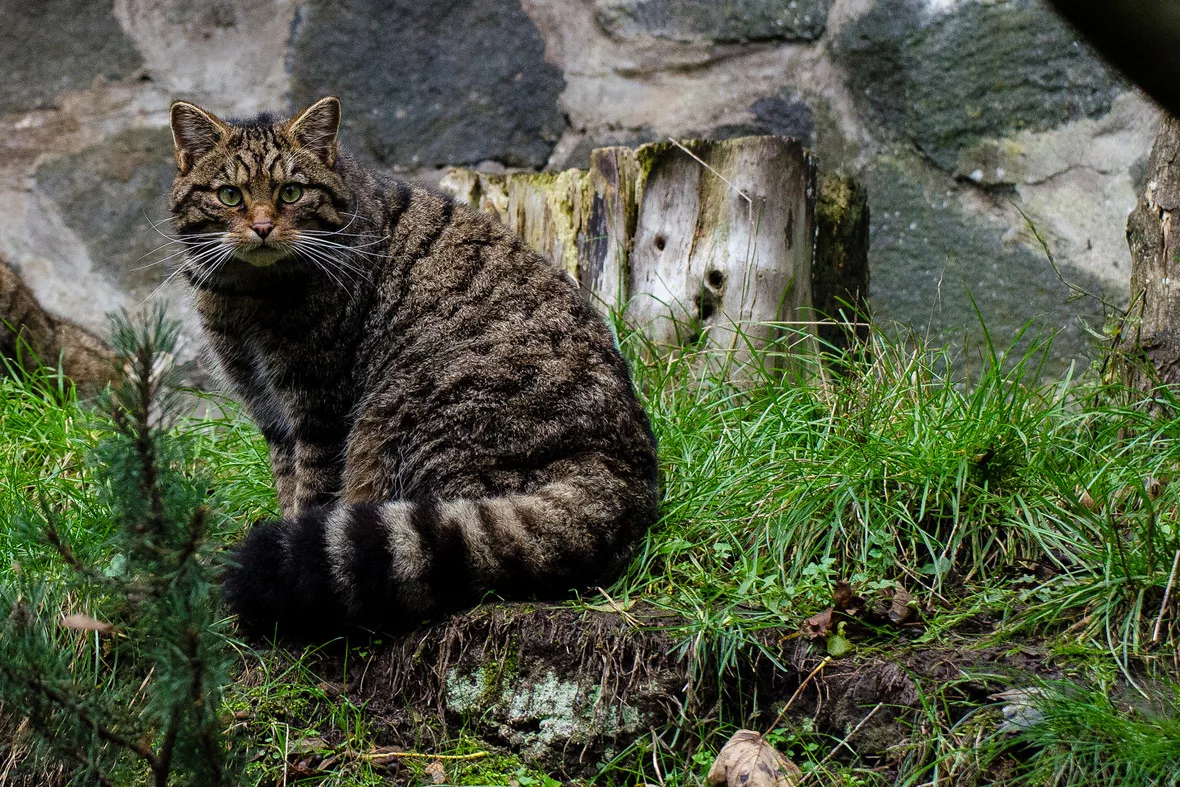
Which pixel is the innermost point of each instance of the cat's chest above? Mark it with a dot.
(256, 374)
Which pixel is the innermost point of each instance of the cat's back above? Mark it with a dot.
(481, 347)
(458, 274)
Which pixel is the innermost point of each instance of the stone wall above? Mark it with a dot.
(961, 117)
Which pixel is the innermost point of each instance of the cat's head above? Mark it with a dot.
(258, 192)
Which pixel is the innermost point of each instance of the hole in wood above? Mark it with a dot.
(715, 279)
(660, 242)
(706, 310)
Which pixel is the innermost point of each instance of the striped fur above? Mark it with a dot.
(447, 417)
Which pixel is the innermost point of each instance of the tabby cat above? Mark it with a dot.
(447, 417)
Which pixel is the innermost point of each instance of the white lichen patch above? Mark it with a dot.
(536, 714)
(942, 6)
(466, 692)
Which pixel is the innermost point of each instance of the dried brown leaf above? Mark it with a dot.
(436, 773)
(901, 607)
(79, 622)
(819, 625)
(1086, 499)
(747, 760)
(844, 600)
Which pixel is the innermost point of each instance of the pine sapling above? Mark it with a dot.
(119, 670)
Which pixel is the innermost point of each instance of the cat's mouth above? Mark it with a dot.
(260, 255)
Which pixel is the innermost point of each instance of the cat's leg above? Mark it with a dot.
(317, 472)
(317, 406)
(283, 466)
(242, 367)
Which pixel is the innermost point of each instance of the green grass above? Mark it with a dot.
(1013, 507)
(953, 485)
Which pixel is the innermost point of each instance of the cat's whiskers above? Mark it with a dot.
(327, 262)
(187, 244)
(205, 262)
(325, 265)
(345, 247)
(212, 262)
(211, 268)
(338, 254)
(155, 225)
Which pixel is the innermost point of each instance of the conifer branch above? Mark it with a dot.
(166, 585)
(78, 710)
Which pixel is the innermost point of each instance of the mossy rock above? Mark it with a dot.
(568, 690)
(948, 79)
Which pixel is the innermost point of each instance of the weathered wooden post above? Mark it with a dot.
(700, 244)
(723, 247)
(1153, 233)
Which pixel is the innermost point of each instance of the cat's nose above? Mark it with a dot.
(262, 228)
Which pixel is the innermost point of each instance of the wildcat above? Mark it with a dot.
(447, 416)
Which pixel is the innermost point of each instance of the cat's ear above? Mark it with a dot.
(317, 127)
(194, 133)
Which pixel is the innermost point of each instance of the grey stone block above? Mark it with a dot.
(50, 46)
(722, 21)
(947, 80)
(110, 195)
(428, 84)
(933, 267)
(783, 115)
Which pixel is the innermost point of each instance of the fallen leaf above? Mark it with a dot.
(435, 773)
(901, 607)
(79, 622)
(844, 600)
(819, 625)
(747, 760)
(1020, 709)
(1085, 498)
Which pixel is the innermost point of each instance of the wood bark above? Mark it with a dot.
(700, 244)
(840, 272)
(1153, 233)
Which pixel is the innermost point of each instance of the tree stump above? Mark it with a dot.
(840, 272)
(1153, 233)
(699, 245)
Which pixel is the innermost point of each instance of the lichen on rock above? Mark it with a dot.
(535, 713)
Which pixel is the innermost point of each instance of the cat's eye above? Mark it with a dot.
(230, 196)
(290, 192)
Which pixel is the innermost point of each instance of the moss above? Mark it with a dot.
(835, 199)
